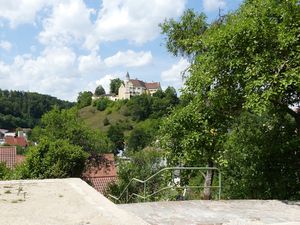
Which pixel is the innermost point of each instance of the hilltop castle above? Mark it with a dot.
(133, 87)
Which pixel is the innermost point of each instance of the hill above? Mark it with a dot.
(24, 109)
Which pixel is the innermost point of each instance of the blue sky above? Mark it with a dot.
(62, 47)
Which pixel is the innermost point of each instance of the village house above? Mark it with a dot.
(133, 87)
(9, 156)
(101, 175)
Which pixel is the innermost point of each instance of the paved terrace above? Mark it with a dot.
(237, 212)
(73, 202)
(58, 202)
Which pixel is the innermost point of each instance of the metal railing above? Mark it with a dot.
(144, 182)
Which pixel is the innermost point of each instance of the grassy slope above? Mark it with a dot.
(94, 118)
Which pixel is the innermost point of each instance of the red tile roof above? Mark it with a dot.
(154, 85)
(19, 141)
(137, 83)
(8, 155)
(100, 176)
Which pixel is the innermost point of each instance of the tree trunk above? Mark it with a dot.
(208, 182)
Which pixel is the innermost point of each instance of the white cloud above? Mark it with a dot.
(90, 63)
(132, 20)
(129, 59)
(52, 72)
(18, 12)
(173, 76)
(104, 81)
(69, 22)
(213, 5)
(6, 45)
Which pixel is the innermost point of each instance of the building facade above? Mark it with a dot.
(133, 87)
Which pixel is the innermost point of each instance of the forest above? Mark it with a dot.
(24, 109)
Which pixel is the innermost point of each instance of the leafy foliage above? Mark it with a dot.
(142, 165)
(24, 109)
(65, 124)
(54, 159)
(245, 61)
(84, 99)
(114, 85)
(99, 91)
(261, 158)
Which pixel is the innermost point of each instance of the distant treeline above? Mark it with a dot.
(24, 109)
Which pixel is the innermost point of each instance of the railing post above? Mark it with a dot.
(127, 195)
(220, 184)
(144, 191)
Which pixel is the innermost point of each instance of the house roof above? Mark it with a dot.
(8, 155)
(153, 85)
(137, 83)
(19, 141)
(101, 175)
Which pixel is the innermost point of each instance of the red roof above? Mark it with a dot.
(100, 176)
(154, 85)
(19, 141)
(8, 155)
(137, 83)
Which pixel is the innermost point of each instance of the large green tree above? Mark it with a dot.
(246, 60)
(114, 85)
(67, 125)
(84, 99)
(54, 159)
(99, 91)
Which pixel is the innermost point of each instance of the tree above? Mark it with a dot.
(142, 165)
(116, 135)
(66, 124)
(140, 106)
(245, 60)
(54, 159)
(99, 91)
(114, 85)
(138, 139)
(84, 99)
(4, 171)
(261, 158)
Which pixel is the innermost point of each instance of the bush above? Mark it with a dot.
(102, 103)
(54, 159)
(106, 121)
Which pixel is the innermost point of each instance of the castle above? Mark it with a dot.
(133, 87)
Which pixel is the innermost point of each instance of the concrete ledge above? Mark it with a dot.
(58, 202)
(237, 212)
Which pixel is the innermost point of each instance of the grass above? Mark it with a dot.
(94, 118)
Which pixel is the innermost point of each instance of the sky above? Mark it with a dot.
(63, 47)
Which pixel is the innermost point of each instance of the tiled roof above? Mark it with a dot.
(8, 155)
(154, 85)
(19, 141)
(101, 183)
(100, 176)
(137, 83)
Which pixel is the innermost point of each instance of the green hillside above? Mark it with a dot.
(96, 119)
(24, 109)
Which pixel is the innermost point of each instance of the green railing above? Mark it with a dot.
(144, 183)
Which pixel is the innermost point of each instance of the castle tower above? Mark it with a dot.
(127, 78)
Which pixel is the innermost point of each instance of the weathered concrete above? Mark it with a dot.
(238, 212)
(58, 202)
